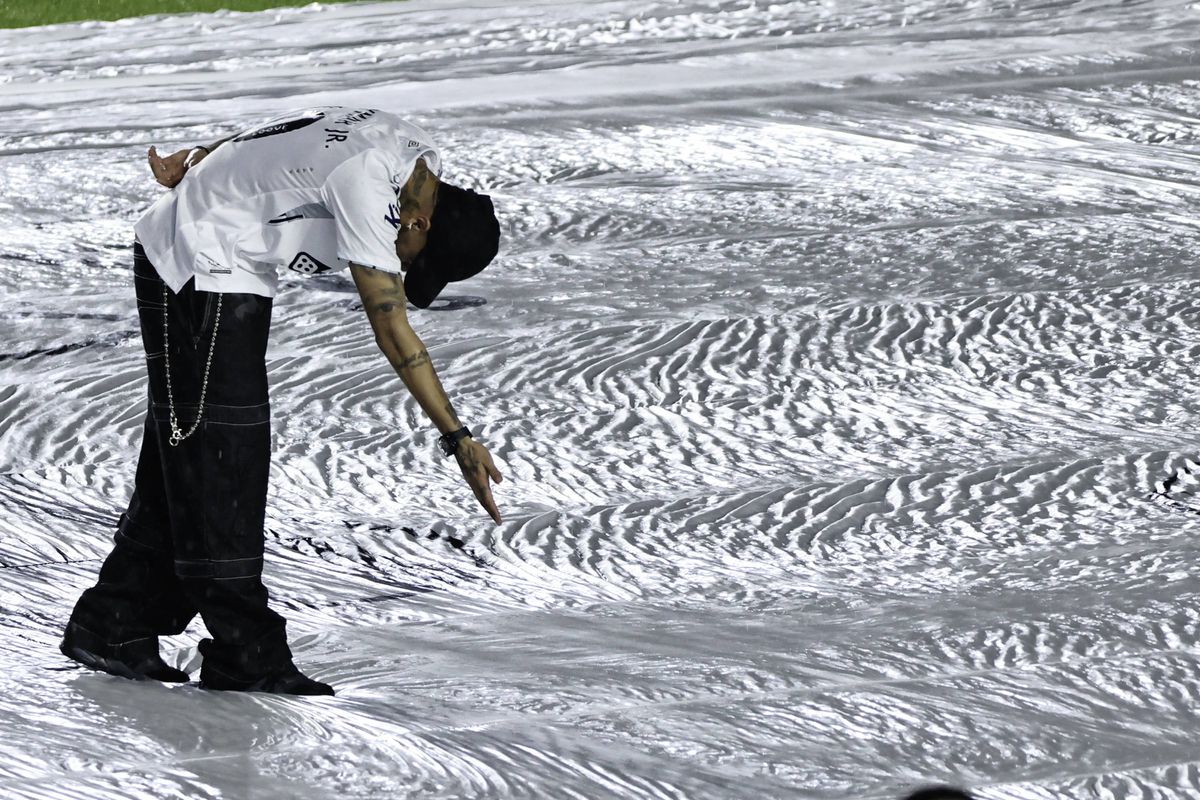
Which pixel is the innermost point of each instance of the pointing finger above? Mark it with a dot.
(484, 495)
(490, 505)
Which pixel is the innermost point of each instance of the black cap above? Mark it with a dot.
(463, 238)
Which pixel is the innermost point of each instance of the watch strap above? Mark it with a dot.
(449, 441)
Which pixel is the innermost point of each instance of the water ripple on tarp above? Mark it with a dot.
(839, 358)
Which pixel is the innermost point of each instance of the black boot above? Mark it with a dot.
(284, 680)
(138, 660)
(290, 682)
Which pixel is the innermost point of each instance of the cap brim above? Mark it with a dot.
(422, 284)
(463, 238)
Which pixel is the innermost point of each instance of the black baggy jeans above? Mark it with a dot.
(191, 540)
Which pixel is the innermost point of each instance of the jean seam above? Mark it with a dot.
(237, 424)
(214, 405)
(215, 560)
(130, 522)
(204, 532)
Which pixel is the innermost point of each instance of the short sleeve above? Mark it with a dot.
(365, 210)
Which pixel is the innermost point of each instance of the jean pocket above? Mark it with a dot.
(204, 315)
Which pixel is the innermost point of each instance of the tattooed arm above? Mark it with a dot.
(383, 299)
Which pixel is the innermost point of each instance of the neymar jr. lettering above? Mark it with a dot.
(334, 135)
(355, 117)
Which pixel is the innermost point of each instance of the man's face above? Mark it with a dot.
(415, 221)
(410, 241)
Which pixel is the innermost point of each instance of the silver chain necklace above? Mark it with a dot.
(178, 436)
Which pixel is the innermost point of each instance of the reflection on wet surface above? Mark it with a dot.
(839, 358)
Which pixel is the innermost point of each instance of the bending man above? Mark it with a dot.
(311, 191)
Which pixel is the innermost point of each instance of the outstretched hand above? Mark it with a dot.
(476, 464)
(169, 171)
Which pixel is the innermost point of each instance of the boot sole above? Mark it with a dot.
(109, 665)
(272, 684)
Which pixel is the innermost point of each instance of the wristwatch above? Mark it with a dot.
(449, 441)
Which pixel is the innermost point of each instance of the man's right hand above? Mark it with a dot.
(476, 464)
(169, 171)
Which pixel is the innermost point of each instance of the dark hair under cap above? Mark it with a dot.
(463, 238)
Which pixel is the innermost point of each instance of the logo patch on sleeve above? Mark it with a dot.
(283, 126)
(306, 264)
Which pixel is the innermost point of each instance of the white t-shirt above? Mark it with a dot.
(308, 191)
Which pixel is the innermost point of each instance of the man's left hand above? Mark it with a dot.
(169, 171)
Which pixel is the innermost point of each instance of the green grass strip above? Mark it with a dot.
(24, 13)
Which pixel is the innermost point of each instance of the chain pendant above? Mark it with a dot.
(177, 435)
